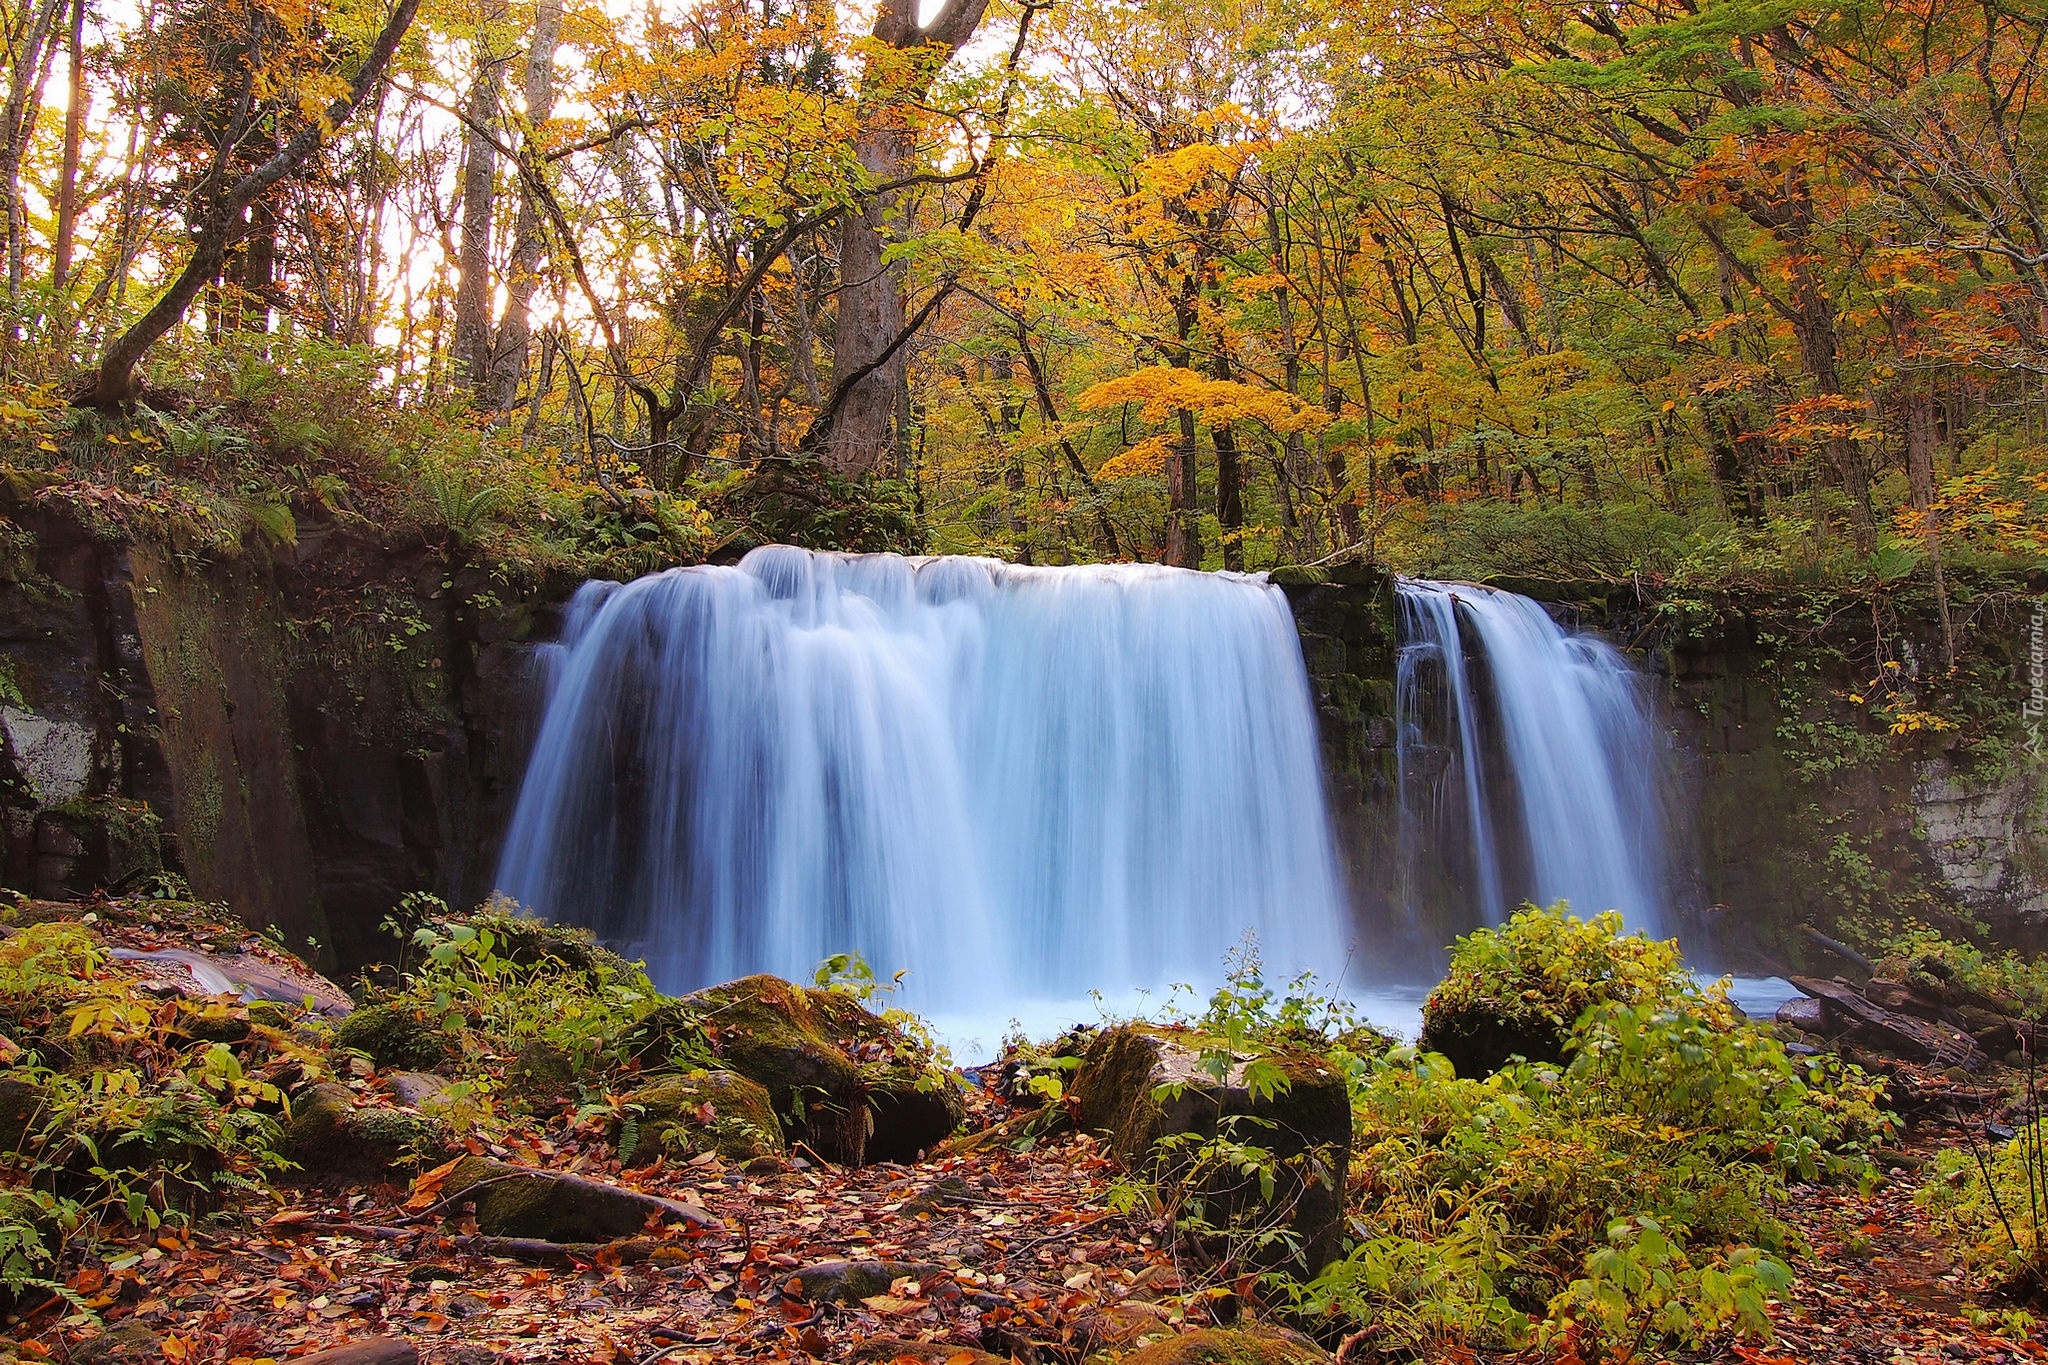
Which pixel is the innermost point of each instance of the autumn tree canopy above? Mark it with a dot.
(1637, 289)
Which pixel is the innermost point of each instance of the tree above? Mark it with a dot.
(224, 200)
(900, 61)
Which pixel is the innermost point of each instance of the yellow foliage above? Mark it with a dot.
(1164, 389)
(1147, 457)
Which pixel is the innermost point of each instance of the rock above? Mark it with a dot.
(852, 1281)
(416, 1089)
(771, 1032)
(330, 1136)
(21, 1102)
(1478, 1042)
(394, 1037)
(521, 1201)
(913, 1104)
(542, 1075)
(843, 1081)
(200, 974)
(946, 1192)
(714, 1111)
(376, 1351)
(1218, 1346)
(1309, 1132)
(891, 1349)
(1803, 1013)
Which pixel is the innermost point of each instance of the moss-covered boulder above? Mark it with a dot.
(1298, 1107)
(913, 1103)
(705, 1111)
(521, 1201)
(852, 1281)
(329, 1136)
(843, 1081)
(21, 1108)
(1217, 1346)
(1516, 990)
(395, 1037)
(541, 1076)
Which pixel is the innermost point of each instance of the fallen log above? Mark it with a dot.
(1902, 1035)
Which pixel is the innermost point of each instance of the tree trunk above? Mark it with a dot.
(871, 307)
(1919, 414)
(17, 120)
(1229, 496)
(471, 346)
(1183, 533)
(74, 130)
(515, 333)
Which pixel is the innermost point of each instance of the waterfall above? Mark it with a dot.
(1014, 783)
(1555, 762)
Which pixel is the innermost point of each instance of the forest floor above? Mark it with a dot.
(1018, 1254)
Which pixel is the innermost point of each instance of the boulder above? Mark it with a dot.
(889, 1350)
(541, 1076)
(1306, 1125)
(1217, 1346)
(416, 1089)
(376, 1351)
(706, 1111)
(330, 1136)
(843, 1082)
(21, 1104)
(1803, 1013)
(554, 1206)
(394, 1036)
(913, 1104)
(852, 1281)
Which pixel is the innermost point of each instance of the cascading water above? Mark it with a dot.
(1573, 808)
(1015, 783)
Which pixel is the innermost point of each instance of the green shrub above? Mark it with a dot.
(1622, 1197)
(1517, 990)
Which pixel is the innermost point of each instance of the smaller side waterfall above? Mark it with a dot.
(1543, 772)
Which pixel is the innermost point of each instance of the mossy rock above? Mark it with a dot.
(394, 1037)
(671, 1034)
(707, 1111)
(1517, 990)
(537, 943)
(21, 1104)
(913, 1104)
(1220, 1346)
(844, 1082)
(1306, 1125)
(329, 1136)
(541, 1076)
(520, 1201)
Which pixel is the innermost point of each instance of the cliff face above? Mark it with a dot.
(310, 732)
(306, 734)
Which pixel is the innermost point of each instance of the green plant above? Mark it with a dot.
(1643, 1286)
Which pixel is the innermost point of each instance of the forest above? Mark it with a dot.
(1733, 291)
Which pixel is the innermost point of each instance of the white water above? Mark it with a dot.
(1017, 784)
(1569, 720)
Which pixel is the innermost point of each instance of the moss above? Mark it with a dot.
(715, 1111)
(394, 1037)
(1217, 1346)
(772, 1032)
(329, 1136)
